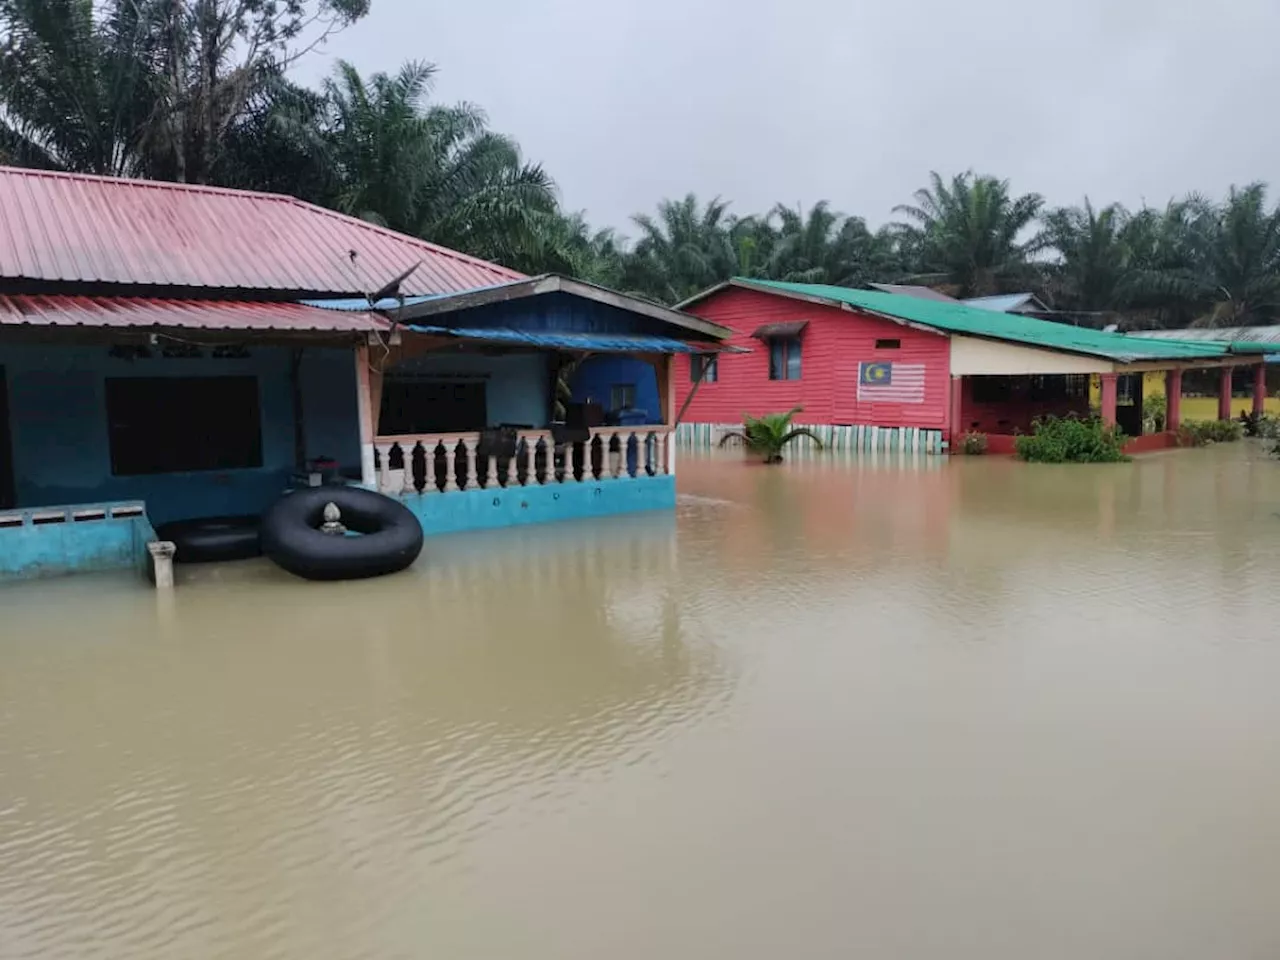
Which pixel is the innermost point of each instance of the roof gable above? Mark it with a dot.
(956, 318)
(79, 229)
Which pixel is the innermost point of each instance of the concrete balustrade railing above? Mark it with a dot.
(452, 462)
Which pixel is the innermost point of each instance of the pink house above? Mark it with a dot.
(888, 371)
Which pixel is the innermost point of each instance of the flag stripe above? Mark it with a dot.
(905, 384)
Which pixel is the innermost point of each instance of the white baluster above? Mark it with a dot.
(383, 458)
(617, 458)
(491, 473)
(407, 484)
(533, 461)
(450, 478)
(473, 480)
(513, 465)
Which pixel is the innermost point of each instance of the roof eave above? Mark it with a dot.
(554, 283)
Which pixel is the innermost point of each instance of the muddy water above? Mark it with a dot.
(972, 710)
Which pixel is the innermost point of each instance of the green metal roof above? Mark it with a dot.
(973, 321)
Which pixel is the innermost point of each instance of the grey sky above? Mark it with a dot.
(628, 101)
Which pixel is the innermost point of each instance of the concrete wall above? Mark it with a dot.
(61, 450)
(517, 385)
(35, 547)
(483, 509)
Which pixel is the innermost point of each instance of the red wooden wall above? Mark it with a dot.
(833, 344)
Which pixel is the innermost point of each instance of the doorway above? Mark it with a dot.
(6, 448)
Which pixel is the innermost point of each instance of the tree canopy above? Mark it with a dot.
(199, 91)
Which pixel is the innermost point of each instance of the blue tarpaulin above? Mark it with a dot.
(593, 342)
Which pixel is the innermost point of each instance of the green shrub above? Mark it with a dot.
(1269, 428)
(1196, 433)
(1155, 410)
(973, 443)
(1071, 440)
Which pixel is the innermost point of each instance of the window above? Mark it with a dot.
(991, 389)
(172, 425)
(888, 344)
(431, 405)
(622, 396)
(704, 368)
(784, 358)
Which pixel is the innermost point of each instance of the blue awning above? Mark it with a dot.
(590, 342)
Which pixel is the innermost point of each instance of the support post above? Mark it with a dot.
(1259, 389)
(955, 418)
(364, 410)
(162, 553)
(1109, 394)
(1173, 399)
(1224, 394)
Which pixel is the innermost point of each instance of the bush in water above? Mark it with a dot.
(1196, 433)
(1071, 440)
(973, 443)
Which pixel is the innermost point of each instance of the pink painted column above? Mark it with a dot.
(1108, 398)
(1224, 394)
(1173, 399)
(956, 423)
(1259, 389)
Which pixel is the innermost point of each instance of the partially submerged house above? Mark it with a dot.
(886, 371)
(172, 351)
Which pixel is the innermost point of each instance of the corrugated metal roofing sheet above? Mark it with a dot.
(1005, 303)
(595, 342)
(63, 311)
(958, 318)
(83, 229)
(1219, 334)
(912, 290)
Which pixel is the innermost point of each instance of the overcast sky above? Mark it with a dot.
(629, 101)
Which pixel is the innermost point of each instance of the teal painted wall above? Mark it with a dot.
(61, 451)
(51, 549)
(483, 509)
(517, 386)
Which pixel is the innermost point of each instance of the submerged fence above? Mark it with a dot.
(836, 438)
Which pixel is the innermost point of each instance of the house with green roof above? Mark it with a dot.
(881, 370)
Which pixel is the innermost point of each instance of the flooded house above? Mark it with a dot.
(877, 370)
(170, 352)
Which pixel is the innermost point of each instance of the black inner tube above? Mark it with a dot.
(391, 536)
(212, 539)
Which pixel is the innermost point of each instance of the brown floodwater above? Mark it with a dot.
(893, 708)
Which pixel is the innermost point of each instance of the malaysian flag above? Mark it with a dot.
(891, 382)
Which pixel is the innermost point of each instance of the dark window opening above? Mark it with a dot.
(420, 405)
(784, 358)
(178, 425)
(888, 344)
(704, 368)
(991, 389)
(622, 396)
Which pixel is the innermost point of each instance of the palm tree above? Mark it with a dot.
(768, 435)
(685, 249)
(433, 171)
(76, 93)
(966, 234)
(829, 247)
(1093, 255)
(1214, 264)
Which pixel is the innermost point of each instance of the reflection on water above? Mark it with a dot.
(838, 708)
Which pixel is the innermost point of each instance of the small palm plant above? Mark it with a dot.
(767, 435)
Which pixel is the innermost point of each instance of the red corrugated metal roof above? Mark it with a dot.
(82, 229)
(63, 311)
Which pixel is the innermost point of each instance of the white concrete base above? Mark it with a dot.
(162, 553)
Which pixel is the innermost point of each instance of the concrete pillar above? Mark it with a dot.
(1173, 399)
(956, 415)
(162, 553)
(365, 413)
(1109, 398)
(1224, 394)
(1259, 389)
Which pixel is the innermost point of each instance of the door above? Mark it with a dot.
(6, 447)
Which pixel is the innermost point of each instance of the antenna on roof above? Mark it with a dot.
(392, 288)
